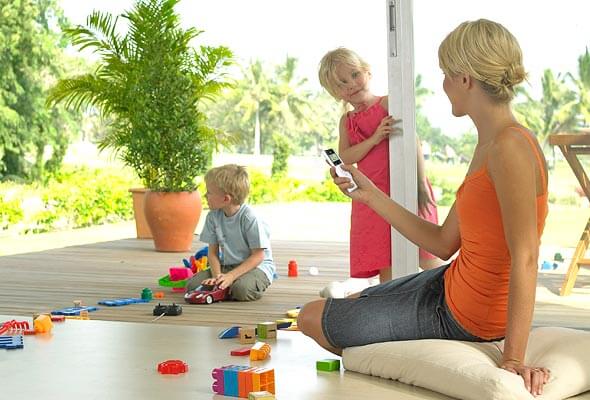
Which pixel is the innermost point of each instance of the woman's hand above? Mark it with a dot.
(424, 199)
(534, 378)
(365, 187)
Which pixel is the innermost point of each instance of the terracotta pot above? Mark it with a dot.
(141, 225)
(172, 218)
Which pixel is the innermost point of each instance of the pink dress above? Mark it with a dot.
(370, 235)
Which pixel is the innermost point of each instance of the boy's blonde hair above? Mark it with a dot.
(487, 52)
(231, 179)
(329, 62)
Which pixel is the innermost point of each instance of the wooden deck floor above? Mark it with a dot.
(52, 279)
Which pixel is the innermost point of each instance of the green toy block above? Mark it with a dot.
(328, 365)
(267, 330)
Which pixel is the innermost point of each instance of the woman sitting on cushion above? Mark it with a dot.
(488, 292)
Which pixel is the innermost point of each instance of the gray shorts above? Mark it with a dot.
(247, 287)
(408, 308)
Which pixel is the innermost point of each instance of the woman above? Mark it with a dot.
(488, 291)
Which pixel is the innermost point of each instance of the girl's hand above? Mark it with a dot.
(385, 129)
(365, 186)
(534, 378)
(424, 199)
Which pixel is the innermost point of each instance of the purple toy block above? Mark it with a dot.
(217, 375)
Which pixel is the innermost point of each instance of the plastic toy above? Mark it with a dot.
(292, 273)
(11, 342)
(169, 310)
(328, 364)
(260, 351)
(177, 286)
(179, 273)
(43, 324)
(293, 313)
(15, 327)
(247, 335)
(284, 323)
(229, 333)
(314, 271)
(206, 294)
(558, 257)
(159, 295)
(242, 351)
(267, 330)
(121, 302)
(172, 367)
(239, 380)
(264, 395)
(74, 310)
(146, 294)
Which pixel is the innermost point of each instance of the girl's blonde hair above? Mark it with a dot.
(329, 62)
(487, 52)
(231, 179)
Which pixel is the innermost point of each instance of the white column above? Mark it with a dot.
(402, 147)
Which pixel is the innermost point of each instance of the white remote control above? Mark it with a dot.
(335, 161)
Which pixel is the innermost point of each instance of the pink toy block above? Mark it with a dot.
(217, 386)
(180, 273)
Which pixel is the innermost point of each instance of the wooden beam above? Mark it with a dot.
(402, 148)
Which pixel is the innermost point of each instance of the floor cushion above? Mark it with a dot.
(469, 370)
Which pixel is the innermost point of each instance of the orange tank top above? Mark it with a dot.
(476, 283)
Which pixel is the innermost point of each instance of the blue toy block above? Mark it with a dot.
(229, 333)
(546, 266)
(230, 379)
(186, 263)
(121, 302)
(11, 342)
(71, 311)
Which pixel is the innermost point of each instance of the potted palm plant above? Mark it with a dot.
(149, 83)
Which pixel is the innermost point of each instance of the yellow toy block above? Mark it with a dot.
(261, 396)
(259, 351)
(43, 324)
(294, 313)
(247, 335)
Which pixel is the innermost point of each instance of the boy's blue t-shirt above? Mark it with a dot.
(237, 235)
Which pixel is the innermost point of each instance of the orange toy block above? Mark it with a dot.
(263, 379)
(259, 351)
(245, 381)
(43, 324)
(247, 335)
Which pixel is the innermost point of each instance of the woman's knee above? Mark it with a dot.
(309, 320)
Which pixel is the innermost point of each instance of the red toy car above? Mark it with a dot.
(206, 294)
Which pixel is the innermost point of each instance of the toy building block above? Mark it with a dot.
(122, 302)
(259, 351)
(146, 294)
(293, 313)
(159, 295)
(284, 323)
(217, 386)
(245, 381)
(69, 311)
(292, 269)
(247, 335)
(229, 333)
(172, 367)
(11, 342)
(230, 380)
(15, 327)
(328, 364)
(43, 324)
(242, 351)
(263, 379)
(264, 395)
(267, 330)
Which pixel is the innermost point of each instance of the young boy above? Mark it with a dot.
(239, 256)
